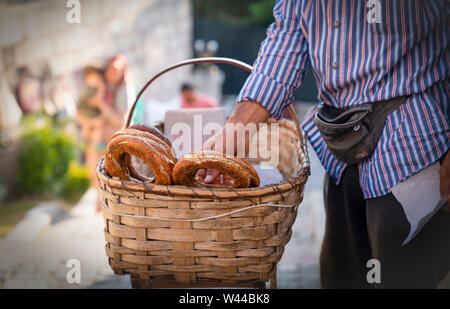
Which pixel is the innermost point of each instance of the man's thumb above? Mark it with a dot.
(211, 175)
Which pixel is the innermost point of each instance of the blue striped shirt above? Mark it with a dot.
(363, 51)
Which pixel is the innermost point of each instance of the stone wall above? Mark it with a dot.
(151, 33)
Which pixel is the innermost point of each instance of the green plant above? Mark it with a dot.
(76, 181)
(254, 12)
(260, 13)
(44, 158)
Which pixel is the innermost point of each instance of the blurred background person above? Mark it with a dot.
(190, 98)
(107, 109)
(28, 91)
(88, 114)
(119, 93)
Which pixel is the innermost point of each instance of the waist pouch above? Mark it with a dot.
(352, 134)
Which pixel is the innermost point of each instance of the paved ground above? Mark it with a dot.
(33, 259)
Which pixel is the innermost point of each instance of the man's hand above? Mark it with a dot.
(243, 113)
(444, 186)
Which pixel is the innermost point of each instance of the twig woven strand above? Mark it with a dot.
(199, 219)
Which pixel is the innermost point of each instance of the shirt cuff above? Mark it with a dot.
(274, 96)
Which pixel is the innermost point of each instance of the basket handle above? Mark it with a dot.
(234, 62)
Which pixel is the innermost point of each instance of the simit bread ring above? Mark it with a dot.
(117, 158)
(254, 178)
(243, 174)
(151, 130)
(162, 146)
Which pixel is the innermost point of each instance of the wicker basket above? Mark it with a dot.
(177, 236)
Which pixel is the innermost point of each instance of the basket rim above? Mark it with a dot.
(217, 193)
(179, 190)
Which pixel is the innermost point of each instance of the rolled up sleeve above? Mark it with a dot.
(279, 68)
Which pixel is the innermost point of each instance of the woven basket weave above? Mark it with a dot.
(177, 236)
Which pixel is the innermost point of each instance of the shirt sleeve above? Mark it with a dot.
(279, 68)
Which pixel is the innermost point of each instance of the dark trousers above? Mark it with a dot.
(358, 230)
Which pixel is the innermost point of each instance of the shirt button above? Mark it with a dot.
(334, 65)
(336, 24)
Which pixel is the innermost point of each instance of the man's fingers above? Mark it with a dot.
(227, 180)
(219, 179)
(211, 175)
(201, 173)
